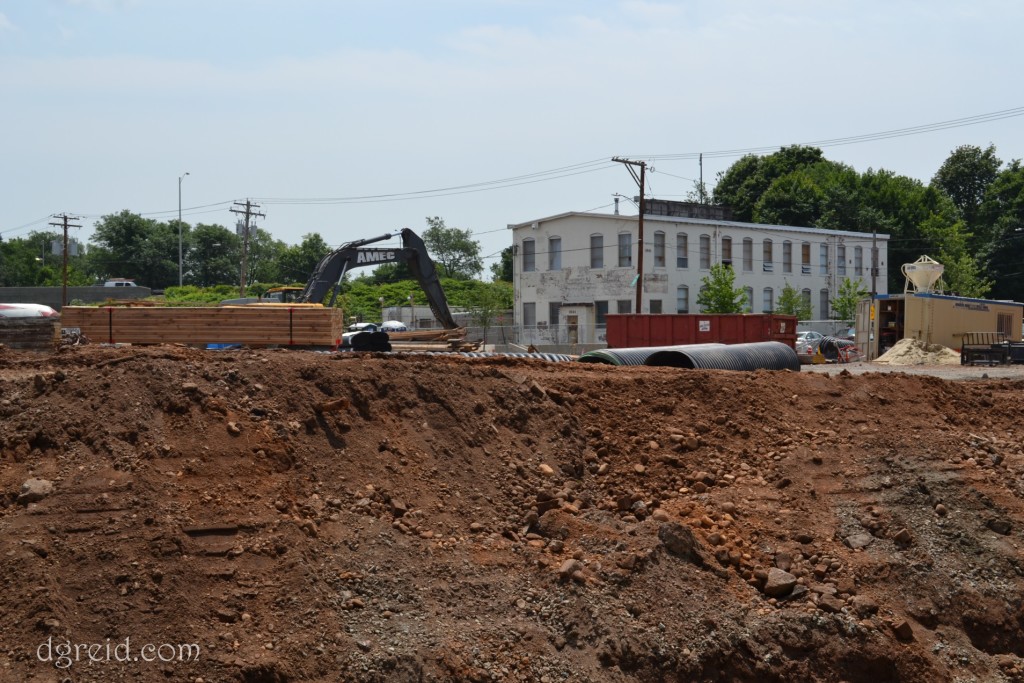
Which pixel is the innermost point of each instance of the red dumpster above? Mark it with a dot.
(626, 331)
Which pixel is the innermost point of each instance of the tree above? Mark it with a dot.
(966, 176)
(213, 256)
(138, 248)
(792, 302)
(844, 305)
(298, 262)
(962, 274)
(717, 293)
(793, 199)
(1003, 210)
(264, 260)
(455, 252)
(30, 262)
(742, 184)
(389, 273)
(502, 270)
(489, 300)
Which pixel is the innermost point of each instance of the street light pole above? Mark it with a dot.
(180, 178)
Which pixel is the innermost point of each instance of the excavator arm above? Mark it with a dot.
(332, 268)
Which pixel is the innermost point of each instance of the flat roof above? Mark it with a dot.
(701, 221)
(950, 297)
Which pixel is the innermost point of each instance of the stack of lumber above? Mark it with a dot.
(37, 334)
(248, 325)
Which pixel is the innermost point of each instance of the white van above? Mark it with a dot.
(119, 282)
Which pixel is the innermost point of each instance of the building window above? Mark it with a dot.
(806, 296)
(682, 251)
(858, 261)
(553, 310)
(625, 250)
(529, 256)
(682, 299)
(624, 306)
(597, 251)
(659, 249)
(555, 253)
(655, 306)
(748, 305)
(748, 255)
(823, 258)
(841, 259)
(600, 312)
(727, 251)
(805, 258)
(705, 251)
(530, 314)
(768, 300)
(766, 256)
(823, 312)
(787, 257)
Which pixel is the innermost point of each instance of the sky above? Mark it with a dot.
(355, 119)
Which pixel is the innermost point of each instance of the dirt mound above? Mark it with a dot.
(314, 517)
(916, 352)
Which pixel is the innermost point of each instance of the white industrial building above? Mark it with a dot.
(574, 268)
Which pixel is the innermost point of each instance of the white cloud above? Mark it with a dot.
(5, 23)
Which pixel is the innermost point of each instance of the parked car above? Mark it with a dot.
(120, 282)
(807, 345)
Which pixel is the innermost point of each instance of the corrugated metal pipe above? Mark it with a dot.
(634, 356)
(769, 355)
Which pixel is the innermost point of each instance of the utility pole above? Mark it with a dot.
(180, 178)
(640, 229)
(872, 313)
(249, 211)
(65, 224)
(700, 160)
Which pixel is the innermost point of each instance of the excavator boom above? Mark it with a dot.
(332, 268)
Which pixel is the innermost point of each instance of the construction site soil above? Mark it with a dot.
(356, 517)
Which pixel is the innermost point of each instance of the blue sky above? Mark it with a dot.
(107, 102)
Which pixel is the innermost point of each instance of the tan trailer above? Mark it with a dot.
(933, 319)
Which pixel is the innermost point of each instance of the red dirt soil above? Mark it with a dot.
(319, 517)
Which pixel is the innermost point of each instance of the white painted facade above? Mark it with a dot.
(572, 269)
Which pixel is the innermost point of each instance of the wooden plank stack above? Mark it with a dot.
(36, 334)
(256, 325)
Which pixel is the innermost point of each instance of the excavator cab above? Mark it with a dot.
(282, 295)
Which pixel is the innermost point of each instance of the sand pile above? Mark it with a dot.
(917, 352)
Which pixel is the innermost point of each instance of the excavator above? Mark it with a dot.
(329, 273)
(413, 253)
(326, 280)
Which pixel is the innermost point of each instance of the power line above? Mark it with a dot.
(585, 167)
(853, 139)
